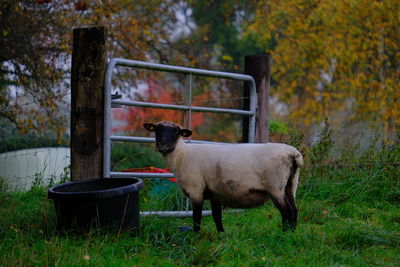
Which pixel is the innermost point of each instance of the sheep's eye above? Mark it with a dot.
(176, 130)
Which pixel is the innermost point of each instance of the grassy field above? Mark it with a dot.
(349, 216)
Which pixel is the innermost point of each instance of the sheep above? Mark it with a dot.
(230, 175)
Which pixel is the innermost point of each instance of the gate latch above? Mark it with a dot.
(115, 96)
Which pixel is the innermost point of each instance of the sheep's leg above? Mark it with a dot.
(197, 213)
(291, 212)
(288, 210)
(290, 204)
(216, 208)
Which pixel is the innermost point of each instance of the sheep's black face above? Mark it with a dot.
(166, 138)
(167, 135)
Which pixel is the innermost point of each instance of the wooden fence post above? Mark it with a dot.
(258, 66)
(89, 59)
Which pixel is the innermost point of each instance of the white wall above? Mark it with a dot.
(20, 168)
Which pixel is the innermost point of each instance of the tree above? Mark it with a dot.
(32, 52)
(215, 36)
(215, 41)
(36, 48)
(38, 72)
(333, 55)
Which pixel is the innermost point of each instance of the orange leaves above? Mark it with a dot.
(135, 117)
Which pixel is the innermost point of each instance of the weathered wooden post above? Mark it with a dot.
(258, 66)
(89, 59)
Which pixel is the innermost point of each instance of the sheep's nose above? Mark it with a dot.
(162, 143)
(164, 147)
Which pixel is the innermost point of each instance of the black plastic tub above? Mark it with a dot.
(111, 203)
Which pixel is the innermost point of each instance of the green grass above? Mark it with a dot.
(349, 216)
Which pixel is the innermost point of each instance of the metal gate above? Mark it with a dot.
(108, 101)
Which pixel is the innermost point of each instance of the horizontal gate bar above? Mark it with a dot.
(142, 175)
(153, 140)
(178, 213)
(178, 69)
(182, 107)
(132, 139)
(184, 213)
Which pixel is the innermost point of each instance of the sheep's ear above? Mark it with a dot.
(149, 127)
(186, 132)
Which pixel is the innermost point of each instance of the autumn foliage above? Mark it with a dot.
(336, 59)
(331, 59)
(134, 117)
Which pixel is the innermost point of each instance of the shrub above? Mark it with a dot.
(134, 155)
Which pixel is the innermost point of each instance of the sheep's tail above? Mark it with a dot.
(298, 158)
(290, 212)
(297, 162)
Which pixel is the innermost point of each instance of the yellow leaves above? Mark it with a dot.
(360, 37)
(227, 58)
(149, 33)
